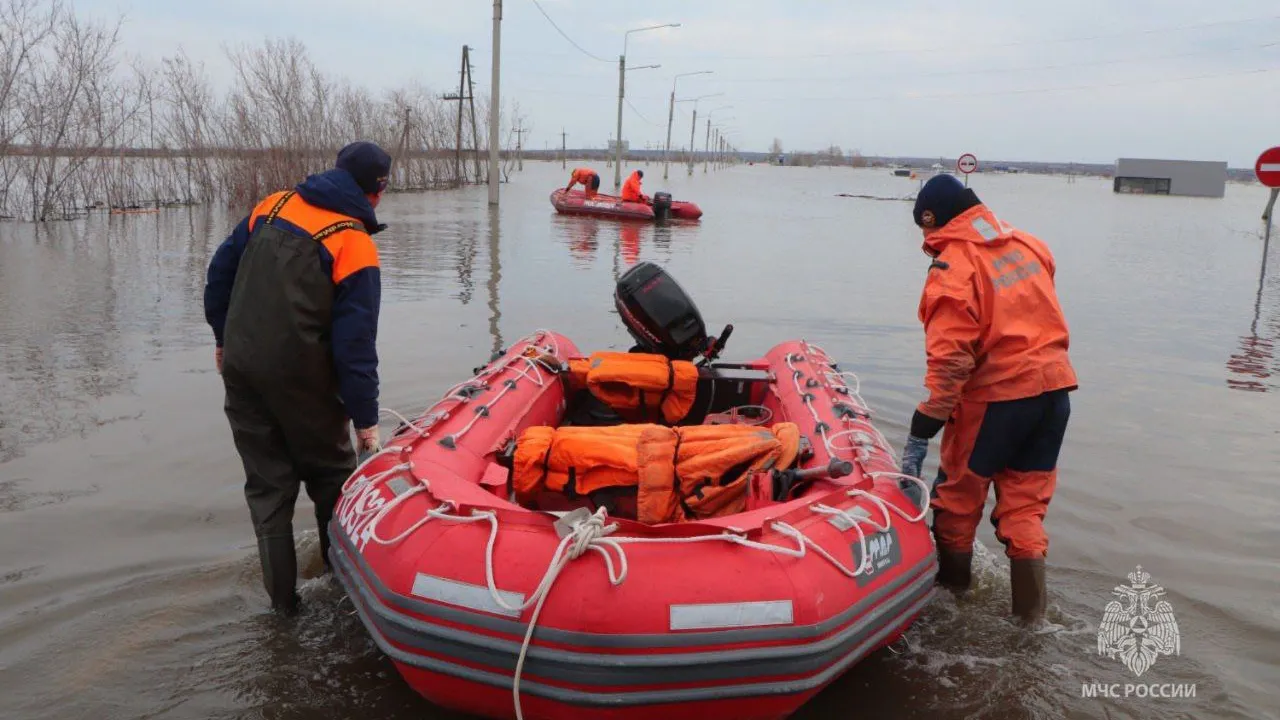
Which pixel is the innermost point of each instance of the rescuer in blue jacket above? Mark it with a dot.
(293, 296)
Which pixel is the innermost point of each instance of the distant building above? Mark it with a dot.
(1170, 177)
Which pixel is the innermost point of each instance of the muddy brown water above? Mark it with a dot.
(129, 583)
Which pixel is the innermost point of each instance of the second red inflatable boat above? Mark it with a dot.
(636, 535)
(575, 202)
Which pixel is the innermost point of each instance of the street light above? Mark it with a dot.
(707, 146)
(622, 82)
(671, 113)
(693, 126)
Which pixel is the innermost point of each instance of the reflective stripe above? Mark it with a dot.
(985, 229)
(843, 523)
(474, 597)
(398, 485)
(890, 616)
(343, 551)
(731, 615)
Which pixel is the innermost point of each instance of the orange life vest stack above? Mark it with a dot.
(679, 474)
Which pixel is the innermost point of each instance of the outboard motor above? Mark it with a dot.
(661, 206)
(657, 311)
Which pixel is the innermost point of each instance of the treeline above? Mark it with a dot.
(82, 126)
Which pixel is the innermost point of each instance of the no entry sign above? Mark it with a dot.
(967, 163)
(1268, 168)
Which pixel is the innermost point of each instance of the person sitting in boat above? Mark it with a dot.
(998, 377)
(588, 178)
(631, 188)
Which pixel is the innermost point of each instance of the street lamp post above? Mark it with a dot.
(622, 82)
(671, 114)
(706, 150)
(694, 125)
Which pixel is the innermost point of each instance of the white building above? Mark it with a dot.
(1170, 177)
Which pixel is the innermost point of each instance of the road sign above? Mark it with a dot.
(1268, 168)
(967, 163)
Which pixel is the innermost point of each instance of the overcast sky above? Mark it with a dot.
(1089, 80)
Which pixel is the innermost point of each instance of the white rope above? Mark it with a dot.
(924, 494)
(594, 534)
(356, 480)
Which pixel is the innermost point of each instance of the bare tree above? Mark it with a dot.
(80, 128)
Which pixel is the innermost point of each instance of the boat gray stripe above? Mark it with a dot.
(643, 697)
(624, 670)
(516, 628)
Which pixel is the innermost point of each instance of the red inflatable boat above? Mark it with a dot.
(564, 610)
(575, 202)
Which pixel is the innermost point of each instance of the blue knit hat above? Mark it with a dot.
(369, 164)
(945, 197)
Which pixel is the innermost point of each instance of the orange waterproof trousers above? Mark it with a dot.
(1014, 445)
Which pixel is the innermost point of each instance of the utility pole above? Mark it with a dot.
(494, 105)
(563, 150)
(471, 102)
(404, 145)
(617, 147)
(671, 113)
(622, 83)
(519, 146)
(692, 126)
(463, 76)
(706, 146)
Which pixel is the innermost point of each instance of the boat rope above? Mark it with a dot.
(581, 531)
(529, 367)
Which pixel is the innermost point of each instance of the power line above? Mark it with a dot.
(566, 37)
(960, 94)
(641, 116)
(1024, 91)
(952, 48)
(995, 71)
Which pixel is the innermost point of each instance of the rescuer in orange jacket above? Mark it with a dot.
(631, 188)
(998, 377)
(588, 178)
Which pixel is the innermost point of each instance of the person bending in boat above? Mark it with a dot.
(293, 297)
(998, 376)
(631, 188)
(588, 178)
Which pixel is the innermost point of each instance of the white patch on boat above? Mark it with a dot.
(398, 485)
(472, 597)
(843, 523)
(713, 616)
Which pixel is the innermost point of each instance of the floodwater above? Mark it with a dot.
(129, 581)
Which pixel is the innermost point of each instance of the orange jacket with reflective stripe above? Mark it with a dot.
(631, 188)
(993, 327)
(582, 175)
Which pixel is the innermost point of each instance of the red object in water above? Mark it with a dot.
(575, 202)
(744, 616)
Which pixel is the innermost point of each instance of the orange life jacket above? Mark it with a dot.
(582, 175)
(631, 189)
(680, 474)
(638, 385)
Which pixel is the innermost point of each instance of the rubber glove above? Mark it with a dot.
(368, 442)
(217, 358)
(913, 455)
